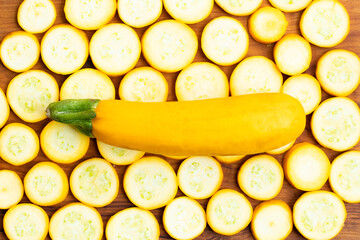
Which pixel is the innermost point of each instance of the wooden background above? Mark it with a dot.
(351, 230)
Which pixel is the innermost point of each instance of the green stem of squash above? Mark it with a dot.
(76, 112)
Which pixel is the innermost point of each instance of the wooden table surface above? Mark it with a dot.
(351, 230)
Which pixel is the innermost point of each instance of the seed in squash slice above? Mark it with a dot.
(335, 124)
(29, 93)
(228, 212)
(19, 144)
(150, 183)
(200, 177)
(26, 221)
(11, 189)
(184, 218)
(306, 167)
(63, 143)
(272, 220)
(94, 182)
(345, 176)
(225, 41)
(133, 223)
(19, 51)
(319, 215)
(76, 221)
(46, 184)
(261, 177)
(169, 45)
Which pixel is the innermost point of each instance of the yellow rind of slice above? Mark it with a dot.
(319, 215)
(4, 108)
(144, 84)
(200, 177)
(282, 149)
(272, 220)
(88, 83)
(29, 94)
(306, 167)
(94, 182)
(189, 11)
(90, 14)
(261, 177)
(256, 74)
(36, 16)
(225, 41)
(169, 45)
(239, 7)
(19, 144)
(26, 221)
(292, 54)
(201, 80)
(133, 223)
(229, 159)
(345, 176)
(19, 51)
(76, 221)
(64, 49)
(115, 49)
(11, 189)
(228, 212)
(117, 155)
(267, 25)
(175, 157)
(338, 72)
(63, 143)
(325, 23)
(150, 183)
(184, 218)
(290, 5)
(140, 13)
(304, 88)
(335, 123)
(46, 184)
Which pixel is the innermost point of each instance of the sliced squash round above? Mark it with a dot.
(87, 83)
(272, 220)
(345, 176)
(282, 149)
(169, 45)
(239, 7)
(76, 221)
(19, 144)
(335, 123)
(133, 223)
(144, 84)
(36, 16)
(225, 41)
(228, 212)
(115, 49)
(290, 5)
(64, 49)
(26, 221)
(63, 143)
(184, 218)
(19, 51)
(4, 108)
(201, 80)
(256, 74)
(150, 183)
(325, 23)
(46, 184)
(319, 215)
(261, 177)
(338, 72)
(200, 177)
(230, 158)
(11, 189)
(90, 14)
(94, 182)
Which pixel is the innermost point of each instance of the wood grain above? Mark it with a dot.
(351, 230)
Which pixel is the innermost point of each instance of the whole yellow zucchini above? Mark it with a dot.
(246, 124)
